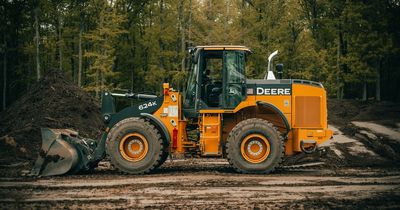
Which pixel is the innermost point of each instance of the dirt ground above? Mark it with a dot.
(208, 184)
(358, 168)
(359, 171)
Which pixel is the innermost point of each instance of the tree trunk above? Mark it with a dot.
(182, 27)
(226, 22)
(189, 23)
(133, 67)
(188, 28)
(378, 82)
(4, 73)
(338, 68)
(97, 83)
(182, 30)
(80, 57)
(59, 43)
(72, 62)
(365, 95)
(101, 85)
(342, 93)
(37, 37)
(209, 21)
(160, 40)
(314, 16)
(242, 28)
(102, 71)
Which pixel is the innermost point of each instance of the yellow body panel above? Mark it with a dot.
(210, 130)
(170, 114)
(301, 91)
(309, 115)
(319, 135)
(305, 111)
(310, 121)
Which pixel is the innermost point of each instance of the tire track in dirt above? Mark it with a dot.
(204, 190)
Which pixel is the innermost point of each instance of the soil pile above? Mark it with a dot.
(355, 146)
(341, 112)
(54, 102)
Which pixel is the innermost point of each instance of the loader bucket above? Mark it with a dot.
(57, 155)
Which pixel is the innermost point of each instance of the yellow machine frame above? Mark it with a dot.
(305, 111)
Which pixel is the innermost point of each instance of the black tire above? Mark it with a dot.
(155, 146)
(254, 126)
(165, 153)
(164, 158)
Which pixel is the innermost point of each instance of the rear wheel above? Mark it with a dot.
(135, 146)
(254, 146)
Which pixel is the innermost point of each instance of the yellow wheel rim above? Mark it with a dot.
(133, 147)
(255, 148)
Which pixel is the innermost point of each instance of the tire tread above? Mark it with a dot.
(237, 130)
(150, 128)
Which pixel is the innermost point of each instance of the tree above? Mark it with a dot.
(351, 46)
(4, 50)
(37, 39)
(102, 38)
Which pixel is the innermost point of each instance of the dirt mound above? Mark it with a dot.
(384, 113)
(341, 112)
(54, 102)
(355, 146)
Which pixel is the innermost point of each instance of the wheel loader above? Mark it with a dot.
(253, 123)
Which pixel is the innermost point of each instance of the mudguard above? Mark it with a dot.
(149, 106)
(159, 124)
(279, 112)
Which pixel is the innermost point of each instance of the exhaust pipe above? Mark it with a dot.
(270, 74)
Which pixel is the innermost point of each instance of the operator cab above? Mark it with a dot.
(216, 78)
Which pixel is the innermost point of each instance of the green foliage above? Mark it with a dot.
(102, 39)
(138, 45)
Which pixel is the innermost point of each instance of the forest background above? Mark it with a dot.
(351, 46)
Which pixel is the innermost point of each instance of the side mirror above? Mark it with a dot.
(279, 69)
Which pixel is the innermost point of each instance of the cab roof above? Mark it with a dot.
(224, 47)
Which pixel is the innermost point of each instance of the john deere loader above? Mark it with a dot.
(253, 123)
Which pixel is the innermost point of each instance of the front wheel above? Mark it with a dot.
(254, 146)
(135, 146)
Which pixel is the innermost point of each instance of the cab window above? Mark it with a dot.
(234, 90)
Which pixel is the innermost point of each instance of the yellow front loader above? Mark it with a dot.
(253, 123)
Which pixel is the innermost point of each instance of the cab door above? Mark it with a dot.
(234, 85)
(191, 93)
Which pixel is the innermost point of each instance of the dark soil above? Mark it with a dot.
(341, 112)
(207, 184)
(354, 182)
(54, 102)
